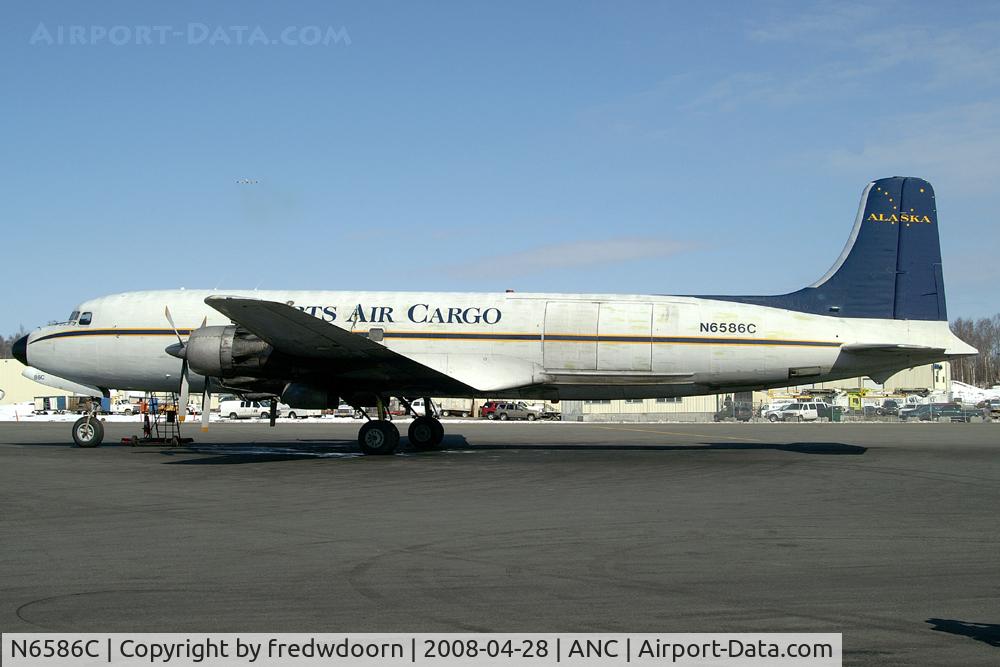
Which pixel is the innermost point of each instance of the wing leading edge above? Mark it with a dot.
(300, 335)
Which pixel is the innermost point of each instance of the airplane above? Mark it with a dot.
(879, 309)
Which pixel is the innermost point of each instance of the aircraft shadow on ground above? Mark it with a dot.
(834, 448)
(988, 633)
(295, 450)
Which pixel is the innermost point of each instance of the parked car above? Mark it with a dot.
(242, 409)
(933, 411)
(345, 410)
(489, 409)
(739, 411)
(514, 410)
(888, 407)
(773, 407)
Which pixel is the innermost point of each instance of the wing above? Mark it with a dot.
(297, 334)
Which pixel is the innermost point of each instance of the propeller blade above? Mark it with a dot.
(182, 409)
(166, 311)
(206, 405)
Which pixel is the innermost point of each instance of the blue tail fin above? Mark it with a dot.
(891, 266)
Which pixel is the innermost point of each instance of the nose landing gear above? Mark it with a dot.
(88, 431)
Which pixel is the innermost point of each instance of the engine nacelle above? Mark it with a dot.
(306, 396)
(225, 351)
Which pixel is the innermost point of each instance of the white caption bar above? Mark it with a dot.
(443, 650)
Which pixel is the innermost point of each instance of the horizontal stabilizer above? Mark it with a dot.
(892, 348)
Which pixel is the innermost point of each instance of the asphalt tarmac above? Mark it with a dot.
(887, 533)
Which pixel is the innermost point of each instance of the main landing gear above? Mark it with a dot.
(425, 433)
(380, 436)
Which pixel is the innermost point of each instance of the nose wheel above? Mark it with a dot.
(88, 432)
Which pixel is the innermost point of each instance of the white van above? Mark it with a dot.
(804, 411)
(240, 409)
(297, 413)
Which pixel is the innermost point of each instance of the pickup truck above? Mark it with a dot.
(124, 406)
(937, 411)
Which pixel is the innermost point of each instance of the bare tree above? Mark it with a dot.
(984, 334)
(7, 344)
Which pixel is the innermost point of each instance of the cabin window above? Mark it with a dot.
(86, 318)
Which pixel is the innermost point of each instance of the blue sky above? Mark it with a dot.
(560, 146)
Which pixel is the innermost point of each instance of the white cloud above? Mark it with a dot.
(569, 255)
(861, 44)
(818, 20)
(957, 147)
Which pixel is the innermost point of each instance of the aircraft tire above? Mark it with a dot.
(378, 437)
(88, 433)
(424, 433)
(438, 432)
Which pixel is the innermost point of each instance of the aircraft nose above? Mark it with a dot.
(20, 350)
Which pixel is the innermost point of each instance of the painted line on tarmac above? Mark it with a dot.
(686, 435)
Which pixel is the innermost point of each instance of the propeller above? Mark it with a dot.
(180, 350)
(206, 406)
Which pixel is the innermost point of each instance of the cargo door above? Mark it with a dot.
(625, 336)
(570, 338)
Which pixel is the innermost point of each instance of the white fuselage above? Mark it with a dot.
(566, 346)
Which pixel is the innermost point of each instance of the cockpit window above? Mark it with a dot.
(74, 316)
(86, 318)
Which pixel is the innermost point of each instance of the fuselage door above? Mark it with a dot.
(570, 340)
(625, 332)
